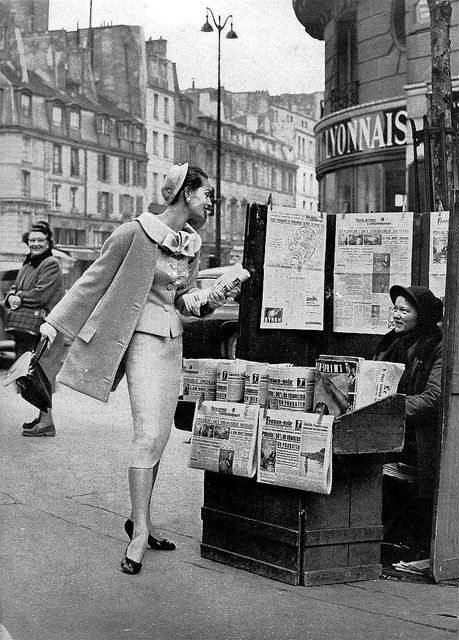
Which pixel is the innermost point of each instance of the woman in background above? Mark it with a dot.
(38, 287)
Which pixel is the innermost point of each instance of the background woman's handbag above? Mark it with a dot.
(30, 378)
(24, 320)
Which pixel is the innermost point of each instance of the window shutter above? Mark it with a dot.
(120, 170)
(99, 202)
(110, 202)
(99, 167)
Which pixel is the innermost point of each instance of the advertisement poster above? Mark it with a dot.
(439, 221)
(293, 283)
(372, 253)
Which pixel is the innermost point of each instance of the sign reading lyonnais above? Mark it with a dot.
(363, 133)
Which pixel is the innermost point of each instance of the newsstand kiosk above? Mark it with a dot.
(298, 537)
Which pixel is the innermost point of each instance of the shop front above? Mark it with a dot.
(361, 159)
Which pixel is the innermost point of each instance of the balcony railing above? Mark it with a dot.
(342, 97)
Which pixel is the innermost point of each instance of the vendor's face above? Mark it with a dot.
(405, 315)
(199, 204)
(38, 243)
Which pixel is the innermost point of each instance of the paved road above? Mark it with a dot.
(63, 502)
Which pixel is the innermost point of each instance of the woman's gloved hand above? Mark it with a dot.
(48, 331)
(216, 300)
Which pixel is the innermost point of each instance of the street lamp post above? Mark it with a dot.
(231, 35)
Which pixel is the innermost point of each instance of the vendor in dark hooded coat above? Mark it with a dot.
(416, 341)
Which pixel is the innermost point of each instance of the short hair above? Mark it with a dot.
(193, 179)
(43, 227)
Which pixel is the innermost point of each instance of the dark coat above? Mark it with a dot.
(422, 385)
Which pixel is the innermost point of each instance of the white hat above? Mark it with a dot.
(173, 181)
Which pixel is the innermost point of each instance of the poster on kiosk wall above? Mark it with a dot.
(372, 253)
(294, 265)
(439, 222)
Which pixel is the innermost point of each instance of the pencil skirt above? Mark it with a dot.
(153, 372)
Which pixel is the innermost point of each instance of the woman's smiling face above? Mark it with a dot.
(199, 204)
(405, 315)
(38, 243)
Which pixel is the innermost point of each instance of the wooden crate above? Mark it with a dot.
(308, 538)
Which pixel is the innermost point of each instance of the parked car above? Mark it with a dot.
(215, 336)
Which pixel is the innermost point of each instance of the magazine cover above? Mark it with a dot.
(335, 384)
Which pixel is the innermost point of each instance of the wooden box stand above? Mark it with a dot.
(304, 538)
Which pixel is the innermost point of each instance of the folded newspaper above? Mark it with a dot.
(295, 450)
(225, 284)
(224, 438)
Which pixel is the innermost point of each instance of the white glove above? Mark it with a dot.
(48, 331)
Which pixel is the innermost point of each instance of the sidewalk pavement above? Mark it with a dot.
(63, 502)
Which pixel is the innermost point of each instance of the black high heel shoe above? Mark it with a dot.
(130, 566)
(153, 543)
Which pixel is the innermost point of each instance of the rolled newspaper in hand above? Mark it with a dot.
(228, 281)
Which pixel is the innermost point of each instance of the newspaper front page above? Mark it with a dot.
(372, 253)
(295, 450)
(199, 378)
(439, 223)
(230, 380)
(293, 282)
(290, 387)
(224, 438)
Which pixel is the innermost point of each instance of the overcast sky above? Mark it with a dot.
(272, 51)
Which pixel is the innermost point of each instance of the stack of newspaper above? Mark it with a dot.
(345, 383)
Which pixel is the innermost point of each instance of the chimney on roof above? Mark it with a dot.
(157, 48)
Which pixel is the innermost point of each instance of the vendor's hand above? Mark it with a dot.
(216, 300)
(48, 331)
(14, 301)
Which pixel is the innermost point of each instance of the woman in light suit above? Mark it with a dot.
(122, 317)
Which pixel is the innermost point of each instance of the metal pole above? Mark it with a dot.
(218, 219)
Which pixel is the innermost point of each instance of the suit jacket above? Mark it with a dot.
(101, 311)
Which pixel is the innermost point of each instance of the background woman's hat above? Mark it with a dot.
(173, 181)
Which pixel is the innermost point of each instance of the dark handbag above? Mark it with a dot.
(30, 378)
(24, 320)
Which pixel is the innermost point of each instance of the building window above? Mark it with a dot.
(166, 110)
(26, 148)
(127, 204)
(135, 173)
(155, 143)
(346, 56)
(105, 203)
(26, 184)
(123, 131)
(210, 160)
(70, 237)
(138, 134)
(124, 171)
(139, 205)
(73, 198)
(254, 175)
(55, 202)
(74, 163)
(290, 182)
(103, 125)
(233, 169)
(100, 237)
(398, 23)
(57, 114)
(155, 187)
(26, 105)
(103, 167)
(155, 106)
(57, 158)
(166, 145)
(75, 119)
(192, 154)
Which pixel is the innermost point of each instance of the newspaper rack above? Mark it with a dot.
(303, 538)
